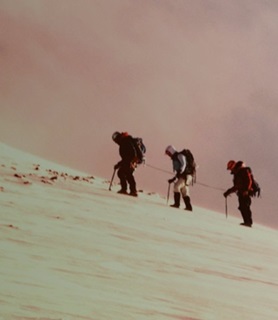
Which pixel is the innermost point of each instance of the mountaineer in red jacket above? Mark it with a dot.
(242, 187)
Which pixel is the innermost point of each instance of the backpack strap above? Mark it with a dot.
(249, 179)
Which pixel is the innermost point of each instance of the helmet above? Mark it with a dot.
(231, 164)
(170, 150)
(116, 135)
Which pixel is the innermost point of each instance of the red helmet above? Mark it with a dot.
(231, 164)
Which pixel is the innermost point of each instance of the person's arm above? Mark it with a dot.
(182, 161)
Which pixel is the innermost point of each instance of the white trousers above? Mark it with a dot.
(182, 185)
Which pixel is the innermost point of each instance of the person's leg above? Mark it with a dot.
(131, 181)
(185, 193)
(245, 209)
(178, 186)
(122, 177)
(177, 197)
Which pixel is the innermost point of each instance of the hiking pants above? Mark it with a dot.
(125, 174)
(182, 185)
(245, 208)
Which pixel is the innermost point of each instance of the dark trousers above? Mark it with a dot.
(245, 208)
(125, 174)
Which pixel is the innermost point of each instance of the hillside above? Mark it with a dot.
(71, 249)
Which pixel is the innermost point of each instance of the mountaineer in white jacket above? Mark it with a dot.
(182, 179)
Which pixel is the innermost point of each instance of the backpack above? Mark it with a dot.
(256, 189)
(140, 149)
(190, 162)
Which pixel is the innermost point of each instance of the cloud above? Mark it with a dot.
(196, 74)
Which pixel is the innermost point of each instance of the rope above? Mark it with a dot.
(158, 169)
(200, 183)
(211, 187)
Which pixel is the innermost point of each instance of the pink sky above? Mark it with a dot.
(196, 74)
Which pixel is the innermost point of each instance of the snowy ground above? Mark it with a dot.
(71, 249)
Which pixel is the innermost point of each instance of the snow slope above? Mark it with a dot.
(71, 249)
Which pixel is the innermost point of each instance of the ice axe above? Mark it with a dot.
(112, 179)
(226, 207)
(168, 192)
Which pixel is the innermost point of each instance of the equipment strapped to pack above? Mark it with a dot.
(140, 149)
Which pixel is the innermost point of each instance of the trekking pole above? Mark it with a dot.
(112, 179)
(168, 192)
(226, 207)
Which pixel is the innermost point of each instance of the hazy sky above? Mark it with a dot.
(200, 74)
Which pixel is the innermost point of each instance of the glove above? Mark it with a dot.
(133, 165)
(171, 180)
(226, 193)
(117, 166)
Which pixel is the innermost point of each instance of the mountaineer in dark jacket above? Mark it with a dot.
(128, 163)
(242, 187)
